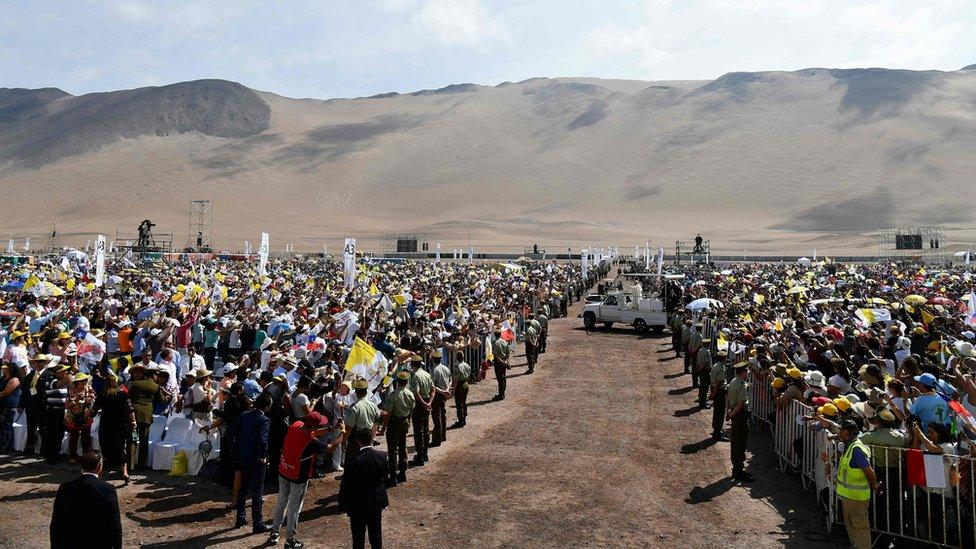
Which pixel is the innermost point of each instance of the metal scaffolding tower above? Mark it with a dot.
(200, 233)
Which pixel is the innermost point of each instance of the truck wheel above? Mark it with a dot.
(640, 325)
(608, 325)
(589, 321)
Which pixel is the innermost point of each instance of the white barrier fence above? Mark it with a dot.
(939, 516)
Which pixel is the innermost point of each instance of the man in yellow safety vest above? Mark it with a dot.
(855, 482)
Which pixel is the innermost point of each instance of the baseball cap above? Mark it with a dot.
(926, 379)
(313, 419)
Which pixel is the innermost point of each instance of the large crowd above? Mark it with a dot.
(881, 356)
(213, 368)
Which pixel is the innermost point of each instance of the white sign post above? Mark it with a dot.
(100, 260)
(349, 261)
(263, 255)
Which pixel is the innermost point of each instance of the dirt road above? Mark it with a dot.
(602, 446)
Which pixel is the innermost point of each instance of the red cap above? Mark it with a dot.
(313, 419)
(819, 401)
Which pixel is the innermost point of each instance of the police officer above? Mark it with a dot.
(703, 368)
(459, 375)
(422, 386)
(500, 351)
(442, 389)
(397, 408)
(532, 329)
(543, 321)
(363, 414)
(738, 413)
(718, 395)
(685, 341)
(677, 323)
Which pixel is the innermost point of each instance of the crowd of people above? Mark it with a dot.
(882, 356)
(289, 373)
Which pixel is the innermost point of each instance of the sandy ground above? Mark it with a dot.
(602, 446)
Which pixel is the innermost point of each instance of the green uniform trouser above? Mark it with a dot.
(421, 429)
(439, 411)
(461, 401)
(739, 436)
(396, 444)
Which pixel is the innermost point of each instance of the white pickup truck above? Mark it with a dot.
(625, 307)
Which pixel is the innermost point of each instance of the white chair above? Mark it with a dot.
(20, 431)
(156, 431)
(94, 431)
(164, 450)
(194, 459)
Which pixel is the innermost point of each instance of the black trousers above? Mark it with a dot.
(704, 384)
(396, 445)
(740, 437)
(53, 434)
(209, 354)
(439, 411)
(143, 429)
(531, 354)
(501, 376)
(361, 523)
(252, 484)
(718, 411)
(543, 338)
(35, 424)
(421, 430)
(461, 402)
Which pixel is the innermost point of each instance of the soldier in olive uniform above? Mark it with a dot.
(718, 395)
(442, 389)
(460, 374)
(685, 341)
(738, 414)
(532, 330)
(363, 414)
(694, 345)
(677, 323)
(422, 386)
(397, 408)
(543, 321)
(501, 351)
(703, 369)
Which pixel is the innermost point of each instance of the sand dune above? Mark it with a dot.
(773, 161)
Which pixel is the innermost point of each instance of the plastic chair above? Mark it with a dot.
(20, 431)
(163, 451)
(194, 459)
(94, 431)
(156, 431)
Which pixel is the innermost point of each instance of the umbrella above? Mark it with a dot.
(46, 289)
(915, 299)
(944, 301)
(12, 286)
(876, 301)
(704, 303)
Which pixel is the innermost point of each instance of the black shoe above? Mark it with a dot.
(704, 406)
(401, 478)
(293, 544)
(261, 528)
(417, 462)
(435, 444)
(240, 523)
(391, 483)
(457, 425)
(743, 477)
(426, 457)
(497, 397)
(720, 438)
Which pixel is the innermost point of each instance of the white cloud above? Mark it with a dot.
(132, 10)
(613, 44)
(459, 22)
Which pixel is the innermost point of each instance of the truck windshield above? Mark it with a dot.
(611, 300)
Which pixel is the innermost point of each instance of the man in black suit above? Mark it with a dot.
(250, 433)
(363, 492)
(86, 508)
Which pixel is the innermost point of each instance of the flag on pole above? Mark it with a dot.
(349, 262)
(10, 246)
(660, 260)
(437, 253)
(27, 244)
(263, 255)
(100, 260)
(584, 258)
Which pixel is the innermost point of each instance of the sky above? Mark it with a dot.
(353, 48)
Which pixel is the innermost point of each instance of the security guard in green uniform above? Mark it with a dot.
(363, 414)
(702, 371)
(532, 329)
(397, 408)
(718, 395)
(500, 352)
(677, 323)
(442, 389)
(422, 387)
(685, 341)
(738, 414)
(543, 321)
(460, 374)
(694, 345)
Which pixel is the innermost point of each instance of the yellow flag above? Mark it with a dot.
(32, 281)
(759, 299)
(361, 353)
(927, 317)
(779, 325)
(373, 290)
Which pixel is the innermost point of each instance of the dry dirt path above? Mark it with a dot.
(601, 446)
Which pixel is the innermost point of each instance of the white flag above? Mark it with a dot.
(660, 260)
(349, 261)
(10, 246)
(647, 257)
(585, 258)
(470, 254)
(263, 255)
(437, 253)
(100, 260)
(27, 244)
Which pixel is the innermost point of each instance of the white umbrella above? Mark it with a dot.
(704, 303)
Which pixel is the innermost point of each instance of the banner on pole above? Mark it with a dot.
(100, 260)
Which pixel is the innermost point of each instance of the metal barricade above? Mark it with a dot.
(760, 402)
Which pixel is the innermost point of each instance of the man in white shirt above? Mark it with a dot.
(286, 369)
(190, 362)
(166, 363)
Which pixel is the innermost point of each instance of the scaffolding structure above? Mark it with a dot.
(392, 244)
(919, 244)
(150, 242)
(696, 253)
(199, 235)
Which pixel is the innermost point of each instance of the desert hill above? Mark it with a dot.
(783, 161)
